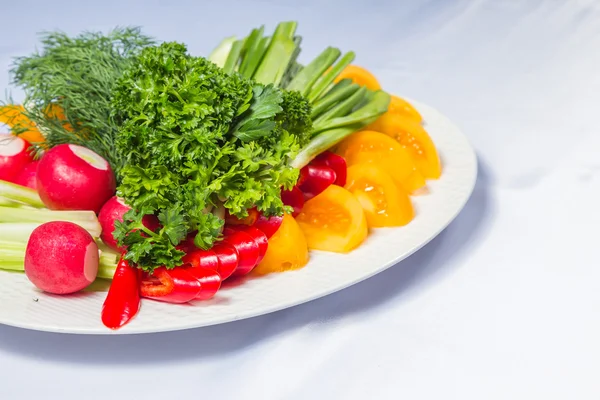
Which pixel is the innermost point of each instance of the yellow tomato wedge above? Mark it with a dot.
(12, 115)
(287, 249)
(413, 137)
(399, 106)
(385, 204)
(333, 221)
(359, 76)
(378, 148)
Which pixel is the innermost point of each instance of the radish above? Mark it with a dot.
(71, 177)
(14, 156)
(61, 257)
(28, 175)
(113, 210)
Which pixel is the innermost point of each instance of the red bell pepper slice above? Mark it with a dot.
(228, 258)
(293, 198)
(202, 258)
(269, 225)
(259, 237)
(209, 279)
(253, 215)
(176, 285)
(123, 299)
(336, 163)
(247, 249)
(314, 179)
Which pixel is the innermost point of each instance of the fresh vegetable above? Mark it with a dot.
(123, 299)
(287, 250)
(15, 195)
(14, 156)
(402, 108)
(385, 203)
(293, 198)
(380, 149)
(114, 210)
(247, 249)
(314, 179)
(14, 116)
(257, 235)
(414, 138)
(61, 258)
(333, 221)
(170, 285)
(268, 225)
(202, 258)
(76, 75)
(236, 155)
(72, 177)
(228, 259)
(210, 282)
(336, 163)
(360, 76)
(28, 175)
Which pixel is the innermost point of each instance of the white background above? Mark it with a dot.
(503, 305)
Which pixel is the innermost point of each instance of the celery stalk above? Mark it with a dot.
(18, 231)
(280, 52)
(22, 194)
(231, 64)
(220, 53)
(254, 49)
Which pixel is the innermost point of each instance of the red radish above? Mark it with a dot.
(72, 177)
(61, 257)
(14, 156)
(28, 175)
(114, 210)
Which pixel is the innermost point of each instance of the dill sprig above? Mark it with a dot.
(68, 85)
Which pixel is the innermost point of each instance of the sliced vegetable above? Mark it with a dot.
(414, 138)
(61, 258)
(123, 299)
(359, 75)
(210, 282)
(259, 237)
(72, 177)
(268, 225)
(14, 156)
(293, 198)
(380, 149)
(399, 106)
(19, 195)
(202, 258)
(335, 162)
(28, 175)
(176, 285)
(14, 116)
(228, 259)
(385, 204)
(314, 179)
(333, 221)
(247, 249)
(287, 250)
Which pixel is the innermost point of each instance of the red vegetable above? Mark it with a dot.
(176, 285)
(293, 198)
(202, 258)
(259, 237)
(27, 176)
(268, 225)
(314, 179)
(210, 281)
(336, 163)
(228, 258)
(14, 156)
(247, 249)
(123, 300)
(253, 215)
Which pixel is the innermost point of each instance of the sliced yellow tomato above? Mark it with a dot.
(13, 116)
(287, 249)
(413, 137)
(385, 203)
(399, 106)
(378, 148)
(333, 221)
(360, 76)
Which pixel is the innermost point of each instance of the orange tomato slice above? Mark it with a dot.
(12, 115)
(287, 249)
(413, 137)
(378, 148)
(385, 204)
(401, 107)
(359, 76)
(333, 221)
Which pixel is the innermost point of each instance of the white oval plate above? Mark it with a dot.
(24, 306)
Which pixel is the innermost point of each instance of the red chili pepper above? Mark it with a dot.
(335, 162)
(123, 299)
(247, 249)
(269, 225)
(293, 198)
(202, 258)
(228, 258)
(314, 179)
(209, 279)
(176, 285)
(259, 237)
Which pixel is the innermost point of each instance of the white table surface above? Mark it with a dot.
(503, 305)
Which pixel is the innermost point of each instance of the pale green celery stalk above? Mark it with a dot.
(4, 202)
(253, 52)
(328, 101)
(323, 142)
(341, 109)
(21, 231)
(231, 64)
(306, 78)
(85, 219)
(20, 194)
(220, 53)
(365, 115)
(280, 52)
(325, 81)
